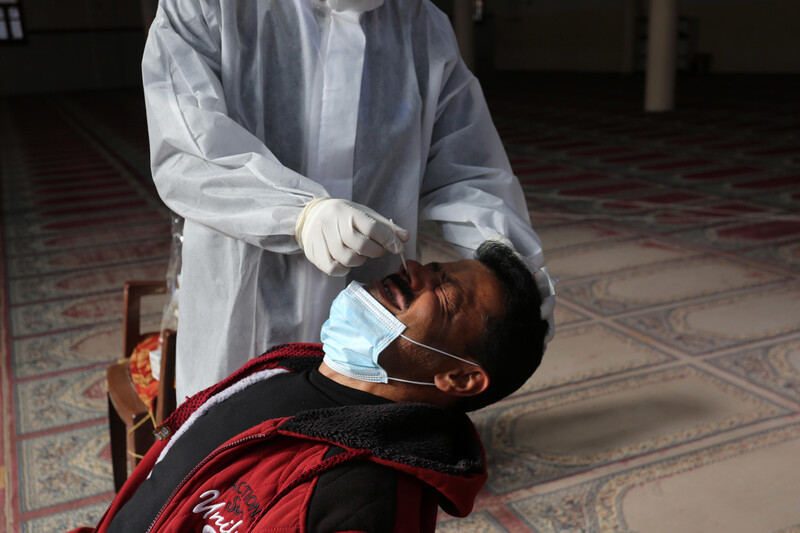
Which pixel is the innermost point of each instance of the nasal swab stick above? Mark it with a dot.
(402, 256)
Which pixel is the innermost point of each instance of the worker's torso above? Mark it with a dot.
(349, 102)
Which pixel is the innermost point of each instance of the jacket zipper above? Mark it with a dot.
(202, 463)
(103, 518)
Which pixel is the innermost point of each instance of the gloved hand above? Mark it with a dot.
(337, 235)
(544, 282)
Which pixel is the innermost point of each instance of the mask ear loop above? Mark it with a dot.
(435, 350)
(440, 351)
(413, 382)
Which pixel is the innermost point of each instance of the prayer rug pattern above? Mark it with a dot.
(675, 239)
(775, 367)
(535, 438)
(77, 222)
(699, 328)
(65, 520)
(63, 467)
(664, 284)
(612, 352)
(61, 400)
(599, 505)
(668, 401)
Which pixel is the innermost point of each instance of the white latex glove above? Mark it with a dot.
(545, 283)
(337, 235)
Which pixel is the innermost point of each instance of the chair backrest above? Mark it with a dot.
(165, 404)
(134, 292)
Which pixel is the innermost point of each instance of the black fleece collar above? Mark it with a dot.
(416, 434)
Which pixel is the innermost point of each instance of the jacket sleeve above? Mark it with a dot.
(469, 188)
(207, 167)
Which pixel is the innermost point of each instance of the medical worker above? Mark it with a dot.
(302, 140)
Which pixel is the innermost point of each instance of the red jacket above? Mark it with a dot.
(263, 479)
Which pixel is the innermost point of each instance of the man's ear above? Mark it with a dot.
(462, 381)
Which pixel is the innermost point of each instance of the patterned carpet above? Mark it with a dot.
(79, 218)
(669, 400)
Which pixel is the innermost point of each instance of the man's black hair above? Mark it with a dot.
(514, 342)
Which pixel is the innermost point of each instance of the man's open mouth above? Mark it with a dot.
(397, 291)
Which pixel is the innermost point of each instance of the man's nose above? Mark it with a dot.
(422, 276)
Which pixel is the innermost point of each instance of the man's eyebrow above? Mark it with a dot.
(437, 267)
(460, 290)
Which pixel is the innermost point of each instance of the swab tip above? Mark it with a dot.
(402, 256)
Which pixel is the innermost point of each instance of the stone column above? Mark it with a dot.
(661, 55)
(464, 28)
(629, 14)
(148, 13)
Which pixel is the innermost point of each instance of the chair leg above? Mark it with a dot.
(119, 459)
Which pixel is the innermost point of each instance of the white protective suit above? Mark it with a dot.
(257, 107)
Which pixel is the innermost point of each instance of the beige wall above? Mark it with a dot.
(560, 35)
(86, 44)
(51, 14)
(748, 36)
(75, 44)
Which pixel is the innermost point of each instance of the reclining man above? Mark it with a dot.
(334, 438)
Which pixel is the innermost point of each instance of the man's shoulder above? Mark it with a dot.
(295, 356)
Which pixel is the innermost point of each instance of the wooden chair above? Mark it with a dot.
(130, 432)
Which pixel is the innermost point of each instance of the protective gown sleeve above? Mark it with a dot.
(207, 167)
(469, 188)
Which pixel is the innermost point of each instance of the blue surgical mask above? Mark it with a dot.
(358, 329)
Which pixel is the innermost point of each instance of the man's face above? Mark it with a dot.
(443, 305)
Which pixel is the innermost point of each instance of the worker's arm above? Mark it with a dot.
(206, 166)
(469, 188)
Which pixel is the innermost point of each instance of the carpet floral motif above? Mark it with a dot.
(66, 521)
(82, 283)
(34, 356)
(696, 328)
(787, 256)
(62, 467)
(477, 522)
(619, 197)
(595, 506)
(607, 296)
(634, 354)
(62, 400)
(776, 367)
(515, 463)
